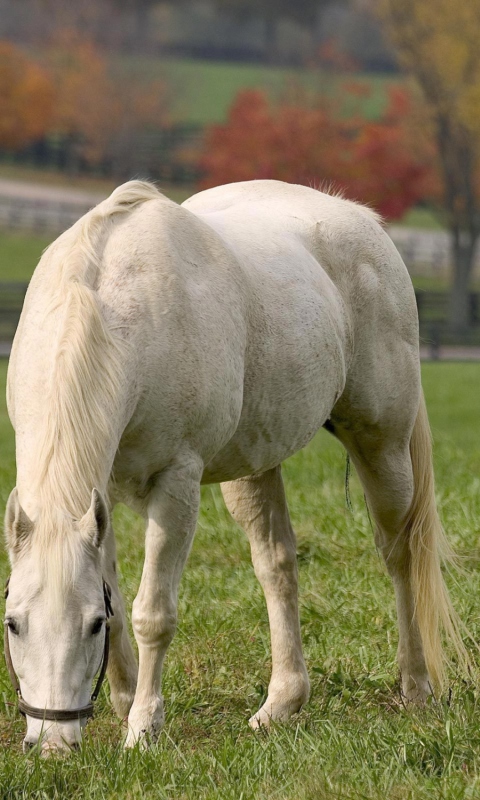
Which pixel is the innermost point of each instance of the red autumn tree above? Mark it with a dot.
(389, 165)
(259, 140)
(315, 144)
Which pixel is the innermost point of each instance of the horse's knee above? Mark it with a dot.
(153, 626)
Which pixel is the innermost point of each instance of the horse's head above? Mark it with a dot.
(55, 618)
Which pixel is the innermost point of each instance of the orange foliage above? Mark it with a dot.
(26, 98)
(375, 162)
(83, 93)
(94, 107)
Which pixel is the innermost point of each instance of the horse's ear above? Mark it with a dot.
(96, 520)
(18, 526)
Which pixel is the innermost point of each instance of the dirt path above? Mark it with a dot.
(57, 194)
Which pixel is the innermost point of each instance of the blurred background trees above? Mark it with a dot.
(438, 42)
(314, 142)
(101, 110)
(26, 98)
(381, 99)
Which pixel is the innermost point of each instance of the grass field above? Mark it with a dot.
(354, 739)
(19, 255)
(202, 91)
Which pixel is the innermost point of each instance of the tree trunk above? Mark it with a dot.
(463, 253)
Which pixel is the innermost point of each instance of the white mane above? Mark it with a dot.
(85, 386)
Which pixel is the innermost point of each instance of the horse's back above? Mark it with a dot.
(299, 342)
(333, 280)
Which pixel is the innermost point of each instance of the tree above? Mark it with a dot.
(318, 145)
(305, 12)
(102, 113)
(85, 98)
(141, 11)
(26, 98)
(437, 42)
(388, 166)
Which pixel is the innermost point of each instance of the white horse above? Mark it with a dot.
(165, 346)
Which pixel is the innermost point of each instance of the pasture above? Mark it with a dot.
(354, 739)
(201, 92)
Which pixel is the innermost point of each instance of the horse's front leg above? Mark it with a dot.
(172, 509)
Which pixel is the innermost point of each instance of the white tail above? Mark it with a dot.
(428, 548)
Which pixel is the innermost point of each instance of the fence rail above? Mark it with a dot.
(169, 154)
(39, 216)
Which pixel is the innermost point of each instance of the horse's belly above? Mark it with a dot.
(274, 426)
(253, 452)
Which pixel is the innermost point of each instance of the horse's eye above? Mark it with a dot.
(12, 626)
(97, 626)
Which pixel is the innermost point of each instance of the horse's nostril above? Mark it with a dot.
(28, 745)
(75, 746)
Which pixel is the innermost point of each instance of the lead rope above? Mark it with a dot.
(348, 499)
(107, 596)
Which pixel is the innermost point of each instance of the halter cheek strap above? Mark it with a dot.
(58, 714)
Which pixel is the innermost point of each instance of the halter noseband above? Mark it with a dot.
(58, 714)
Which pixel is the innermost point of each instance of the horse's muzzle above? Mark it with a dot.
(50, 747)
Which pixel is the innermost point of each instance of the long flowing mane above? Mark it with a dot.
(85, 386)
(83, 391)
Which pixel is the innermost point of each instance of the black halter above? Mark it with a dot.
(58, 714)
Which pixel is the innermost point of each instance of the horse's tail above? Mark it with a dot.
(428, 548)
(78, 247)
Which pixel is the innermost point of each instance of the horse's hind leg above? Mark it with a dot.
(258, 504)
(386, 473)
(391, 450)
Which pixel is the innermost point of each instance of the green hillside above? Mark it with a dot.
(202, 91)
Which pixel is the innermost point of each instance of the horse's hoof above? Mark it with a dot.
(416, 692)
(260, 721)
(144, 725)
(141, 739)
(281, 709)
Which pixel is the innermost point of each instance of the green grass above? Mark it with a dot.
(439, 283)
(354, 739)
(202, 91)
(19, 255)
(422, 218)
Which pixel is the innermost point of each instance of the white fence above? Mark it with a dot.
(39, 216)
